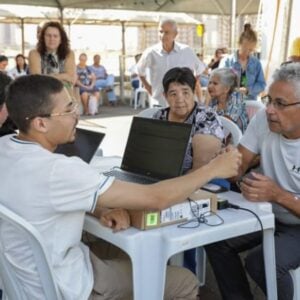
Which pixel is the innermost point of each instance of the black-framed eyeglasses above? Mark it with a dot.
(52, 61)
(73, 109)
(277, 103)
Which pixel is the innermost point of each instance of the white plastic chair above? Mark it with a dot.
(148, 112)
(252, 107)
(11, 285)
(296, 280)
(138, 91)
(232, 128)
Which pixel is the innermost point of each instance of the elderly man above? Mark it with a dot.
(55, 203)
(274, 133)
(164, 56)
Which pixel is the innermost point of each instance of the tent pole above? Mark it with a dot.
(232, 30)
(122, 63)
(22, 36)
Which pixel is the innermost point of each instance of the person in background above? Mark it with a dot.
(21, 67)
(295, 50)
(274, 133)
(135, 81)
(224, 98)
(59, 191)
(3, 63)
(246, 65)
(214, 63)
(86, 81)
(103, 80)
(164, 56)
(205, 74)
(53, 55)
(6, 124)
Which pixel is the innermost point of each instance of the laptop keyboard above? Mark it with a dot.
(130, 177)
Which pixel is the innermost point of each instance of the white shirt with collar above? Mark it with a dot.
(52, 192)
(159, 61)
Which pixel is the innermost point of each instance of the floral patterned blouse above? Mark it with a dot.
(235, 110)
(204, 121)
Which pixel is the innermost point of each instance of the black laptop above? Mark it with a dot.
(85, 145)
(155, 150)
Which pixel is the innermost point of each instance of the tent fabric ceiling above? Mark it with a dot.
(188, 6)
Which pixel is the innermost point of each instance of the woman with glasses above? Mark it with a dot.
(246, 65)
(53, 55)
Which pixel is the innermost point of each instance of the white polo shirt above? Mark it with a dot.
(158, 61)
(280, 160)
(52, 192)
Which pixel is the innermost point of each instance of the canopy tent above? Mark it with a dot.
(215, 7)
(20, 14)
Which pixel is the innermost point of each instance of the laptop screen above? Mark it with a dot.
(85, 145)
(156, 148)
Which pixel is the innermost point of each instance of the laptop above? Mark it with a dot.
(155, 151)
(85, 145)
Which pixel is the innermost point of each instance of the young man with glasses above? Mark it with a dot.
(53, 192)
(274, 134)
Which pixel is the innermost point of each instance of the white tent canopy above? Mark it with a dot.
(215, 7)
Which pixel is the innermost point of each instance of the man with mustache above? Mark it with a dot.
(274, 134)
(53, 192)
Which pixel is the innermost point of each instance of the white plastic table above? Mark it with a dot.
(150, 250)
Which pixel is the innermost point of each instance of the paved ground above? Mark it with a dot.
(115, 123)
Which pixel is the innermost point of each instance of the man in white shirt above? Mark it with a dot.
(53, 192)
(274, 134)
(164, 56)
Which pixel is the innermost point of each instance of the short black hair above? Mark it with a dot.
(183, 76)
(4, 82)
(3, 58)
(31, 96)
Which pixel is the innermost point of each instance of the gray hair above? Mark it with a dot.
(289, 73)
(169, 21)
(227, 77)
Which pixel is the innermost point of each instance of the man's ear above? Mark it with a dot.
(40, 124)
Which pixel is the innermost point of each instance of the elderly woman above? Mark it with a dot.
(206, 136)
(53, 55)
(224, 100)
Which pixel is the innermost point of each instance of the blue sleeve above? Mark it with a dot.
(259, 82)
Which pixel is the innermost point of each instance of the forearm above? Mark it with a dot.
(155, 196)
(180, 190)
(287, 200)
(146, 84)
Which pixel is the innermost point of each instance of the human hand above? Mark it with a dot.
(227, 163)
(259, 188)
(117, 219)
(243, 90)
